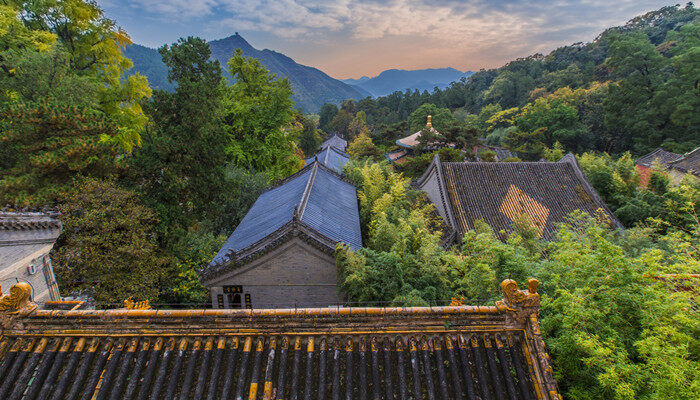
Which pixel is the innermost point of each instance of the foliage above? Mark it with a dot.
(44, 146)
(340, 124)
(108, 249)
(363, 147)
(94, 47)
(614, 330)
(326, 115)
(191, 252)
(180, 167)
(402, 261)
(257, 107)
(528, 145)
(309, 138)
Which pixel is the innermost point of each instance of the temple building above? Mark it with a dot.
(26, 238)
(411, 141)
(453, 352)
(500, 193)
(331, 157)
(676, 166)
(281, 254)
(335, 141)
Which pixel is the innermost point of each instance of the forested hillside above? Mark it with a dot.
(635, 87)
(311, 87)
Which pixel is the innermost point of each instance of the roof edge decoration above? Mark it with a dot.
(35, 330)
(293, 228)
(29, 220)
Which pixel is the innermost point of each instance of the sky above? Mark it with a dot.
(350, 39)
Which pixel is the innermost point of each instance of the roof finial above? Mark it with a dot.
(429, 125)
(19, 300)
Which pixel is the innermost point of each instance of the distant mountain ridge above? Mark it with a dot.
(393, 80)
(312, 87)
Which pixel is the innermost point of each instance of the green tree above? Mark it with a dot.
(180, 167)
(340, 124)
(94, 46)
(326, 115)
(629, 109)
(257, 110)
(558, 116)
(309, 138)
(108, 249)
(615, 328)
(363, 147)
(529, 145)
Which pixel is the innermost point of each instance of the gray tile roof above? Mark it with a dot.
(332, 158)
(321, 199)
(335, 141)
(689, 162)
(499, 192)
(660, 155)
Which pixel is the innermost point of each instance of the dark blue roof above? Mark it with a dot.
(335, 141)
(332, 158)
(330, 208)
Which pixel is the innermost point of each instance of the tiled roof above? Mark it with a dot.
(413, 139)
(28, 221)
(487, 352)
(499, 193)
(659, 155)
(396, 155)
(331, 157)
(335, 141)
(315, 199)
(689, 162)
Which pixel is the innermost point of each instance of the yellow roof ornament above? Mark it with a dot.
(130, 304)
(429, 125)
(19, 300)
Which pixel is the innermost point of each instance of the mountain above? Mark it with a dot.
(392, 80)
(312, 87)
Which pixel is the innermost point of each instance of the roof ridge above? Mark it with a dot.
(325, 159)
(299, 212)
(287, 179)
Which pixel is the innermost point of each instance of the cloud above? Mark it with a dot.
(495, 30)
(481, 20)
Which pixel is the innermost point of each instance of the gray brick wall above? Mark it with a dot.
(293, 275)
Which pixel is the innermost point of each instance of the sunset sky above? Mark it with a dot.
(349, 39)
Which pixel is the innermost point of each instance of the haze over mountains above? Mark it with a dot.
(392, 80)
(312, 87)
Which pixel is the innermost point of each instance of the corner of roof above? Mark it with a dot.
(569, 158)
(434, 164)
